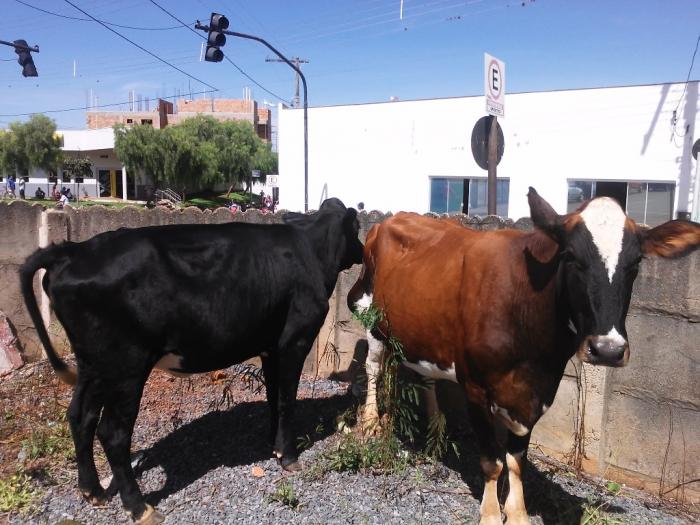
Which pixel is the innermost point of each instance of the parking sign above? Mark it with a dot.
(494, 85)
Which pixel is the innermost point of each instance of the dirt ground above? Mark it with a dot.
(188, 427)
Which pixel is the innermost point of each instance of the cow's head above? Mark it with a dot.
(601, 249)
(334, 230)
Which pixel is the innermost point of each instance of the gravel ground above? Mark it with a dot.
(199, 464)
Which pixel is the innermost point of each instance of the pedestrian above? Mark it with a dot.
(21, 188)
(62, 201)
(11, 186)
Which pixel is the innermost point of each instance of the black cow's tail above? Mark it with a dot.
(44, 258)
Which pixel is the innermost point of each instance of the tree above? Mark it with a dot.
(198, 153)
(31, 145)
(78, 167)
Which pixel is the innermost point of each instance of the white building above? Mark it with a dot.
(569, 145)
(109, 177)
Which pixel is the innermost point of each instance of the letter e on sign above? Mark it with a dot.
(494, 85)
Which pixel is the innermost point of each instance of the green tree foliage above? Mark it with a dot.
(196, 154)
(78, 166)
(29, 145)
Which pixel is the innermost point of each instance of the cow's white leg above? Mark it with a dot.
(490, 508)
(370, 413)
(515, 502)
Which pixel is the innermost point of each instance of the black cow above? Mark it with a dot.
(187, 298)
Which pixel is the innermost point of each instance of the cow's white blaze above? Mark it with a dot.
(514, 426)
(605, 221)
(172, 364)
(364, 302)
(615, 337)
(432, 370)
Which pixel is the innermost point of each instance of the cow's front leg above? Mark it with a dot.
(516, 456)
(491, 465)
(369, 418)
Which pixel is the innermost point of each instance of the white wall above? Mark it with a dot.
(383, 154)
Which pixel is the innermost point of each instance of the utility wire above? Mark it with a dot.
(87, 108)
(91, 20)
(685, 87)
(141, 47)
(227, 58)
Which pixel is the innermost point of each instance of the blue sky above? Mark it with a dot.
(358, 51)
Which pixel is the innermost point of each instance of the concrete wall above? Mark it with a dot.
(385, 154)
(639, 424)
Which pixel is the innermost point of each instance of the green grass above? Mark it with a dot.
(285, 495)
(16, 493)
(210, 200)
(52, 440)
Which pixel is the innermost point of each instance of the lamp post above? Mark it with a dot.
(201, 27)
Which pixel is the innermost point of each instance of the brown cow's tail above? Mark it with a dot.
(44, 258)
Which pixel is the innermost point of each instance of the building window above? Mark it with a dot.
(147, 121)
(129, 121)
(452, 195)
(649, 203)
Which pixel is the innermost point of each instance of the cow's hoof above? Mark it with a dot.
(150, 517)
(292, 465)
(96, 498)
(518, 518)
(491, 520)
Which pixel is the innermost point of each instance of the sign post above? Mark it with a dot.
(494, 89)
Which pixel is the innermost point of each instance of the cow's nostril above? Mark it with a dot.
(592, 348)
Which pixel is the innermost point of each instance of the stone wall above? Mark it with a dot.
(639, 424)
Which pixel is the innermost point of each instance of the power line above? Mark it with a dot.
(227, 58)
(86, 108)
(91, 20)
(141, 47)
(685, 87)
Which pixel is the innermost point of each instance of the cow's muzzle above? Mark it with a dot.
(604, 350)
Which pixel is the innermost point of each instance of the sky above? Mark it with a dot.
(358, 51)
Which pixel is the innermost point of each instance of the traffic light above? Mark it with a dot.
(25, 59)
(216, 38)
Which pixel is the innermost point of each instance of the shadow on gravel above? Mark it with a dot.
(230, 438)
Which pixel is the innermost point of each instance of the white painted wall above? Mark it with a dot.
(383, 154)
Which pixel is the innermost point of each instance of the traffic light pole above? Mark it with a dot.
(306, 106)
(303, 80)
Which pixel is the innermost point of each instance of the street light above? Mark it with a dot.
(201, 27)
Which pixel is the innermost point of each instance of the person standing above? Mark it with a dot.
(11, 186)
(21, 188)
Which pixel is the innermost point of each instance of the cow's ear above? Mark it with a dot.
(350, 221)
(544, 216)
(671, 239)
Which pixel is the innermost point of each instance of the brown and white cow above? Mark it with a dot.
(501, 312)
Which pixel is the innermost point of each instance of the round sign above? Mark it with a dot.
(480, 142)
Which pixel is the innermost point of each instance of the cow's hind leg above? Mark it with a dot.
(491, 465)
(115, 430)
(83, 415)
(369, 419)
(270, 365)
(516, 456)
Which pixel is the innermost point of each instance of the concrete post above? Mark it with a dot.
(124, 183)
